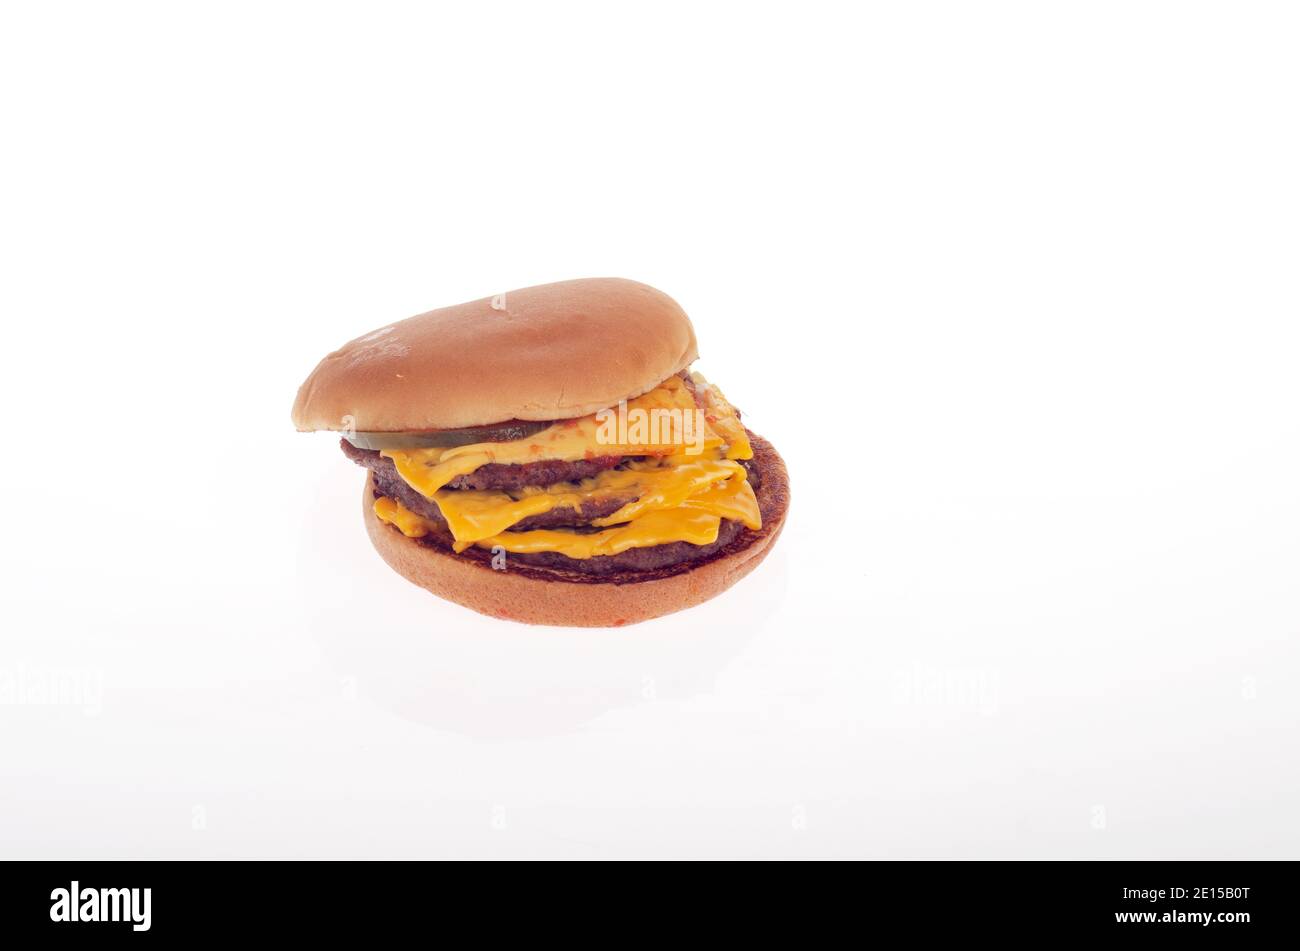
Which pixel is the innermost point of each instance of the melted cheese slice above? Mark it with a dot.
(476, 515)
(723, 419)
(695, 520)
(589, 437)
(395, 513)
(733, 499)
(656, 528)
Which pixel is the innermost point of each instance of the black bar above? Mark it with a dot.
(331, 900)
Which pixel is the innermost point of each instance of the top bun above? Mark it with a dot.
(553, 351)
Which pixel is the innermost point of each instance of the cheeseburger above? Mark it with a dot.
(546, 455)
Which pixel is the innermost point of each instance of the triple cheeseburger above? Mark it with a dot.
(547, 456)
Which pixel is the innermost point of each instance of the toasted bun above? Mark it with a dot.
(554, 351)
(546, 596)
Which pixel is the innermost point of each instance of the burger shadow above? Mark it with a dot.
(397, 647)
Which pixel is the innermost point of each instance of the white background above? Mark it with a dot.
(1013, 287)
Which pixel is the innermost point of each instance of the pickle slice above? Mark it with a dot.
(447, 438)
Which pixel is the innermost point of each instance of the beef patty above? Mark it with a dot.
(650, 558)
(495, 475)
(389, 483)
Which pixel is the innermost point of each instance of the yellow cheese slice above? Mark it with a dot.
(723, 419)
(475, 515)
(695, 520)
(656, 528)
(395, 513)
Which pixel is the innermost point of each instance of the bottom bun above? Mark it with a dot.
(537, 595)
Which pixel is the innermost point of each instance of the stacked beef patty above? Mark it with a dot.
(513, 477)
